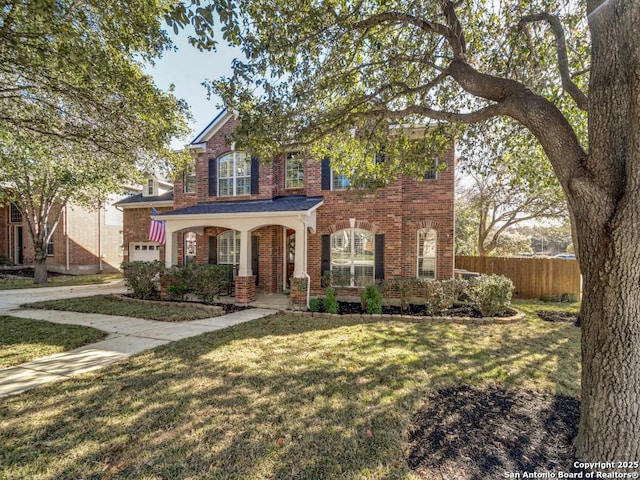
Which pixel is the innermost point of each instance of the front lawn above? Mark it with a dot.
(113, 305)
(282, 397)
(22, 339)
(13, 282)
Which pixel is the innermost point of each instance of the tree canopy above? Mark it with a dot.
(78, 115)
(341, 76)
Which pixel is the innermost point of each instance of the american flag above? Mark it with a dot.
(157, 231)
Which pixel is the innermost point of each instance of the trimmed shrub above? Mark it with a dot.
(400, 288)
(491, 294)
(143, 278)
(315, 304)
(177, 281)
(330, 302)
(371, 299)
(208, 280)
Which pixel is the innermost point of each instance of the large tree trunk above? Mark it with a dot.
(40, 270)
(607, 219)
(610, 413)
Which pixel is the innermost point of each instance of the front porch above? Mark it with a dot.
(252, 236)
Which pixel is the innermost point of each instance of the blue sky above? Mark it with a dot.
(187, 68)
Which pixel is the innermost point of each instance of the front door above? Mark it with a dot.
(291, 255)
(255, 243)
(18, 245)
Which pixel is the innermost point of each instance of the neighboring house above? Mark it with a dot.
(156, 193)
(294, 217)
(85, 241)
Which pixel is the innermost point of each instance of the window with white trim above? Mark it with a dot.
(353, 257)
(15, 215)
(234, 174)
(339, 181)
(294, 170)
(189, 178)
(150, 189)
(229, 248)
(427, 241)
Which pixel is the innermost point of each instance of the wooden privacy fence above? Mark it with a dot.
(532, 277)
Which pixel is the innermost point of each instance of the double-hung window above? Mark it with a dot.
(427, 241)
(294, 170)
(234, 174)
(229, 248)
(353, 257)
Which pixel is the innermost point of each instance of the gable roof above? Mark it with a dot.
(139, 200)
(209, 131)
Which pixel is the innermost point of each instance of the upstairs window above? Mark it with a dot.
(150, 189)
(432, 173)
(427, 240)
(234, 174)
(339, 181)
(189, 179)
(294, 171)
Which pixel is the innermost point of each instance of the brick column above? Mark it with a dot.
(298, 293)
(245, 289)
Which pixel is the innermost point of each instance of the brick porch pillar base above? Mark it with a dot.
(298, 293)
(245, 289)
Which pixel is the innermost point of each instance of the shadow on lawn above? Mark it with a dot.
(280, 397)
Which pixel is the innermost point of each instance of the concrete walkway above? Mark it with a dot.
(127, 335)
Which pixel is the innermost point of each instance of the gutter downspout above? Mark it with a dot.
(304, 262)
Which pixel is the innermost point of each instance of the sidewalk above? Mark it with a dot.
(127, 336)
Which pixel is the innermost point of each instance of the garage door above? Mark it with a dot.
(144, 252)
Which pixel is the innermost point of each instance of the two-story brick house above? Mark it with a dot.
(296, 217)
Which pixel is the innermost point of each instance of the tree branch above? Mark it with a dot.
(563, 59)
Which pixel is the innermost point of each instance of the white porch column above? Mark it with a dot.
(244, 268)
(298, 269)
(171, 249)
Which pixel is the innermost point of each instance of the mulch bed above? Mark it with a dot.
(558, 316)
(348, 308)
(472, 434)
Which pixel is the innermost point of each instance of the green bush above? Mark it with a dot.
(330, 302)
(371, 299)
(5, 261)
(177, 281)
(208, 280)
(400, 288)
(143, 278)
(315, 304)
(491, 294)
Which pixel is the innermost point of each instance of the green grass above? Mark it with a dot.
(112, 305)
(280, 398)
(58, 281)
(22, 339)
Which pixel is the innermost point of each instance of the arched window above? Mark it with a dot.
(229, 248)
(353, 257)
(427, 240)
(234, 174)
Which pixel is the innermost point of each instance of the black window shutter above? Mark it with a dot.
(325, 255)
(255, 176)
(213, 250)
(213, 177)
(325, 174)
(379, 256)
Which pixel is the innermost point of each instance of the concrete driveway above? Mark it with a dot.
(127, 335)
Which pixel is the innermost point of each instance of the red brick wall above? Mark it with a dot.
(398, 211)
(136, 224)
